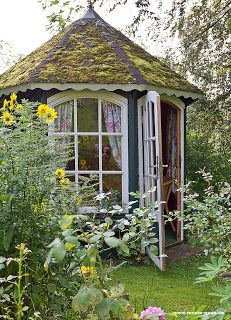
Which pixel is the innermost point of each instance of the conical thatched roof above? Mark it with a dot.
(90, 51)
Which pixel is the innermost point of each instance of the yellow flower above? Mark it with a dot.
(13, 98)
(42, 110)
(64, 181)
(85, 138)
(60, 173)
(11, 107)
(7, 118)
(5, 103)
(84, 167)
(79, 200)
(50, 116)
(87, 271)
(18, 106)
(69, 246)
(83, 162)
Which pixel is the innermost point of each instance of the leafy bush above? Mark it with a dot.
(81, 246)
(208, 221)
(34, 194)
(208, 143)
(28, 160)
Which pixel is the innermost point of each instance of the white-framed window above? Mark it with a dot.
(95, 124)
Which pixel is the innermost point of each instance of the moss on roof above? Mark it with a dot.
(91, 51)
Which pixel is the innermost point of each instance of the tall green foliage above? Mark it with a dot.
(28, 160)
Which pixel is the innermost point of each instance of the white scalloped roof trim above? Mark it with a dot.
(96, 87)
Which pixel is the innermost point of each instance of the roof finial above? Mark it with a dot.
(90, 4)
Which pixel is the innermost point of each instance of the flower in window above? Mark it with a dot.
(82, 162)
(84, 167)
(87, 271)
(60, 173)
(7, 118)
(85, 138)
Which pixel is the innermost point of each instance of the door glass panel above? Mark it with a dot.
(111, 153)
(87, 115)
(153, 132)
(65, 120)
(88, 148)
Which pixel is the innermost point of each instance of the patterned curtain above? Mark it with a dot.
(172, 143)
(112, 119)
(64, 122)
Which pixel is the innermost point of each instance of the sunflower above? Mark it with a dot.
(7, 118)
(13, 98)
(5, 103)
(42, 110)
(60, 173)
(50, 116)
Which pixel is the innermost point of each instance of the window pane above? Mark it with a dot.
(65, 120)
(66, 147)
(111, 153)
(88, 152)
(89, 189)
(111, 117)
(71, 177)
(113, 183)
(87, 115)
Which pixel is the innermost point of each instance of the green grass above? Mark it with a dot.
(172, 290)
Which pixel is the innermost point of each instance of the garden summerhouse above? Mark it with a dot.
(123, 109)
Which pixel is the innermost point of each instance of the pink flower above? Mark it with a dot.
(152, 310)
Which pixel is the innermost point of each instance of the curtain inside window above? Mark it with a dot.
(64, 122)
(172, 143)
(112, 119)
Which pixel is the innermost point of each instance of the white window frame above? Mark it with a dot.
(71, 95)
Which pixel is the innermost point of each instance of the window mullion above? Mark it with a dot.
(100, 145)
(76, 140)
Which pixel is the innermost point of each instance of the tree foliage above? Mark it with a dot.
(7, 56)
(194, 38)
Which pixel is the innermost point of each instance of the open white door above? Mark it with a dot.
(150, 166)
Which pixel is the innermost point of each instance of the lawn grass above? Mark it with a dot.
(172, 290)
